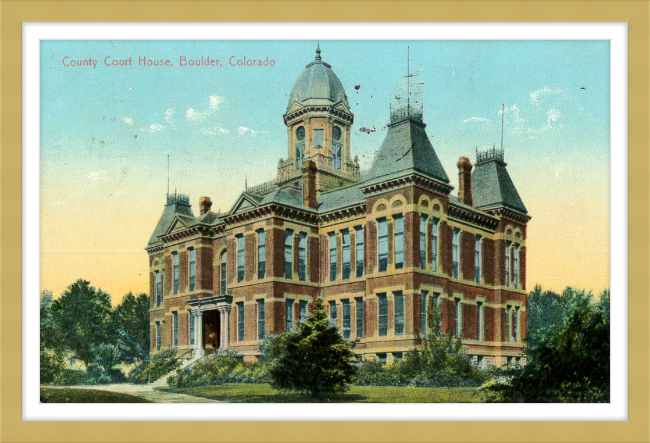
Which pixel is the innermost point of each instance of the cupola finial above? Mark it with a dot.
(318, 51)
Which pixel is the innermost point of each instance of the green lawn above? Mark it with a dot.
(264, 393)
(66, 395)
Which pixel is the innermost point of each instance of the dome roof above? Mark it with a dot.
(318, 85)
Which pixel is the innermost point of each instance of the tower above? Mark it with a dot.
(319, 120)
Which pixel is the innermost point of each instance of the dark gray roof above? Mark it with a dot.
(209, 218)
(340, 198)
(406, 149)
(492, 187)
(167, 218)
(285, 196)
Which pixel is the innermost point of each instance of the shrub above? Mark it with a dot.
(156, 367)
(315, 359)
(52, 364)
(93, 376)
(226, 367)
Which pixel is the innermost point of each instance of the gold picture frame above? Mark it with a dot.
(14, 13)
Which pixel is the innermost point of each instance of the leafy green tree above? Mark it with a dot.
(49, 332)
(82, 316)
(572, 366)
(316, 359)
(130, 328)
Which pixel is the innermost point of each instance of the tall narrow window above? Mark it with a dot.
(241, 254)
(303, 310)
(508, 323)
(300, 154)
(158, 336)
(345, 252)
(288, 315)
(175, 327)
(302, 257)
(479, 321)
(158, 288)
(507, 263)
(359, 303)
(478, 258)
(423, 241)
(261, 320)
(383, 315)
(224, 271)
(399, 312)
(337, 148)
(382, 244)
(192, 269)
(261, 254)
(455, 252)
(360, 252)
(333, 314)
(318, 138)
(399, 242)
(240, 321)
(347, 318)
(332, 242)
(515, 274)
(288, 253)
(515, 330)
(424, 298)
(458, 316)
(434, 244)
(176, 272)
(192, 328)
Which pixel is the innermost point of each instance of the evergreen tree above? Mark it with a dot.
(316, 359)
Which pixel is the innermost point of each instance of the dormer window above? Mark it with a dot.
(318, 138)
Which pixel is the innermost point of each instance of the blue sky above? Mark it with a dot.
(106, 132)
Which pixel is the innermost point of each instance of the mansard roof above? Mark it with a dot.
(177, 206)
(406, 149)
(492, 187)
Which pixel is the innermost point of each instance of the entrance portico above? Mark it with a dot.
(220, 303)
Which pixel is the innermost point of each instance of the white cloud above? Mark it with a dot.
(535, 95)
(169, 116)
(215, 101)
(476, 119)
(193, 116)
(96, 176)
(244, 130)
(214, 131)
(128, 120)
(155, 128)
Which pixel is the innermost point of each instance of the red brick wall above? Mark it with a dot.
(275, 243)
(467, 254)
(370, 321)
(371, 246)
(314, 263)
(410, 239)
(489, 263)
(500, 259)
(169, 272)
(490, 323)
(184, 260)
(522, 317)
(204, 268)
(446, 233)
(470, 321)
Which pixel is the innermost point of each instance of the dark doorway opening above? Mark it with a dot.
(211, 329)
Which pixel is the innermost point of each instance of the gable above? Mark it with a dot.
(244, 203)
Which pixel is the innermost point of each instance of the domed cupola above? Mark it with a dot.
(318, 85)
(318, 119)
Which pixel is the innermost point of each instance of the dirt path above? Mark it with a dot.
(144, 391)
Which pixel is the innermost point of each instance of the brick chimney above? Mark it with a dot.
(205, 204)
(465, 181)
(309, 184)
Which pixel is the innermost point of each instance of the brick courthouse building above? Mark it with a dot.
(381, 251)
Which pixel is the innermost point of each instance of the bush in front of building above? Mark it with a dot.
(155, 367)
(226, 367)
(315, 358)
(52, 364)
(93, 376)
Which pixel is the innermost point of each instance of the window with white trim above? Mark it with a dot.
(434, 244)
(303, 310)
(382, 315)
(223, 271)
(515, 274)
(240, 321)
(507, 263)
(399, 241)
(333, 314)
(458, 316)
(478, 258)
(192, 269)
(480, 322)
(302, 257)
(398, 298)
(360, 251)
(176, 271)
(261, 320)
(424, 298)
(423, 241)
(347, 318)
(175, 327)
(359, 303)
(333, 264)
(158, 288)
(158, 336)
(261, 254)
(382, 244)
(192, 319)
(288, 314)
(241, 258)
(345, 253)
(288, 253)
(456, 252)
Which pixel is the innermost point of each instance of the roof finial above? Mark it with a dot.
(318, 51)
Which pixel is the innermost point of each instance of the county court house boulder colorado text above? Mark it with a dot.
(382, 251)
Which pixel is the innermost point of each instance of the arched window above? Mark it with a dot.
(337, 156)
(224, 269)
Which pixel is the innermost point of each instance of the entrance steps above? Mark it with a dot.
(186, 364)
